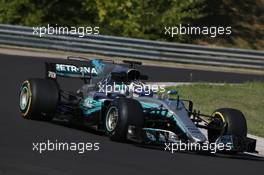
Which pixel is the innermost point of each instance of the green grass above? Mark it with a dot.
(247, 97)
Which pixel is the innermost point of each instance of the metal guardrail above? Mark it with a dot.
(135, 48)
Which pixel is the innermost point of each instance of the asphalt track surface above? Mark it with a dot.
(17, 135)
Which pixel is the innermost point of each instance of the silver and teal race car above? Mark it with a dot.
(116, 100)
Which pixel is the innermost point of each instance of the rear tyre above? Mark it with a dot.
(38, 99)
(121, 113)
(235, 124)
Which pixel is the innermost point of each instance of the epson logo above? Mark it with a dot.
(74, 69)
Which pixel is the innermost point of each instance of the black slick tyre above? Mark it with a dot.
(38, 99)
(232, 122)
(121, 113)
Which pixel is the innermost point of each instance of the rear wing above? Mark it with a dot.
(53, 70)
(84, 68)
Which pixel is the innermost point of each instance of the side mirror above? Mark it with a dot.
(172, 92)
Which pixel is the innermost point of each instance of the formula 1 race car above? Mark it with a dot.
(116, 100)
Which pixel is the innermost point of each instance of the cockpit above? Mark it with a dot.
(125, 81)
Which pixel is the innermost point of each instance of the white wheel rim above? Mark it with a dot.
(111, 118)
(24, 98)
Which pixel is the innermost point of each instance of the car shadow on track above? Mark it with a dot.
(241, 156)
(77, 127)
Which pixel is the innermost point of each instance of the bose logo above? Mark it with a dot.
(74, 69)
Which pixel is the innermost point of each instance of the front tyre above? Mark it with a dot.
(121, 113)
(229, 122)
(38, 99)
